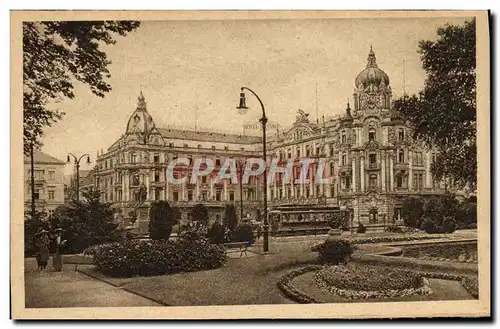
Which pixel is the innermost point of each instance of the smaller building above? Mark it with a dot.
(49, 182)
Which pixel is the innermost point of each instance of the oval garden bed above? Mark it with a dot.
(355, 281)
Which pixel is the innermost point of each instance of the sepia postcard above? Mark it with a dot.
(250, 164)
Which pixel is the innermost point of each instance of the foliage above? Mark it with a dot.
(395, 238)
(216, 233)
(444, 113)
(242, 233)
(466, 215)
(54, 54)
(157, 257)
(200, 214)
(31, 227)
(471, 284)
(450, 251)
(449, 225)
(337, 220)
(369, 278)
(361, 228)
(335, 251)
(230, 221)
(430, 226)
(412, 211)
(87, 222)
(394, 229)
(161, 220)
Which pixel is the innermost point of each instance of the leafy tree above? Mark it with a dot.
(216, 233)
(200, 214)
(230, 221)
(87, 222)
(443, 114)
(31, 227)
(412, 211)
(161, 220)
(55, 53)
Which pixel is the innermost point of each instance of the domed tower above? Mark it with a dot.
(372, 87)
(141, 123)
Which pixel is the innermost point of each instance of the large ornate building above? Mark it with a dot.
(372, 163)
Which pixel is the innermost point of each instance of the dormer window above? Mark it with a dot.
(133, 158)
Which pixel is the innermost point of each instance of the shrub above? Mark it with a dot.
(337, 220)
(200, 214)
(229, 220)
(466, 215)
(430, 226)
(161, 220)
(216, 233)
(157, 257)
(335, 251)
(412, 211)
(361, 228)
(394, 229)
(449, 225)
(242, 233)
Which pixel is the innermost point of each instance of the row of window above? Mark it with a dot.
(40, 174)
(51, 195)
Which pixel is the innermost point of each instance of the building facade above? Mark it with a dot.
(49, 182)
(371, 162)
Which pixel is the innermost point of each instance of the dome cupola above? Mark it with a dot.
(140, 121)
(371, 75)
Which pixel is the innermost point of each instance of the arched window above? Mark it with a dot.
(372, 136)
(133, 157)
(401, 156)
(344, 137)
(344, 159)
(372, 183)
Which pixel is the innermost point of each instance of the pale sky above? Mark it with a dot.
(189, 69)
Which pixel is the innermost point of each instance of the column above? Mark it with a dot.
(197, 189)
(428, 175)
(410, 173)
(147, 187)
(225, 190)
(275, 188)
(362, 172)
(283, 187)
(167, 190)
(126, 179)
(391, 172)
(382, 170)
(354, 180)
(123, 186)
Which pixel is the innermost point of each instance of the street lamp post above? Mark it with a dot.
(240, 169)
(263, 120)
(77, 163)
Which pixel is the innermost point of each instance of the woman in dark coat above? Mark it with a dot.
(57, 259)
(43, 243)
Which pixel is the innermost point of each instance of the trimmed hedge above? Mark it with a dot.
(334, 251)
(146, 258)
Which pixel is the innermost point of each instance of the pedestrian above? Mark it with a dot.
(43, 243)
(259, 232)
(57, 259)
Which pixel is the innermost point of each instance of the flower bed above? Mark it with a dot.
(471, 284)
(285, 285)
(362, 282)
(145, 258)
(466, 252)
(396, 238)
